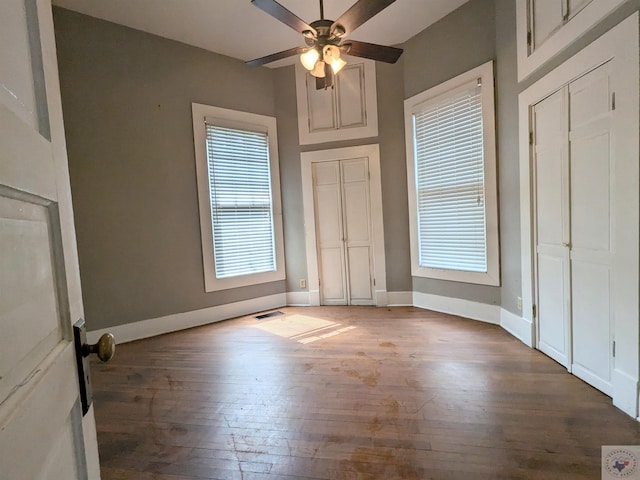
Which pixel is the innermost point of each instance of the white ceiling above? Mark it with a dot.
(238, 29)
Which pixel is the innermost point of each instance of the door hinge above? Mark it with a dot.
(613, 101)
(531, 137)
(529, 38)
(374, 282)
(614, 348)
(533, 310)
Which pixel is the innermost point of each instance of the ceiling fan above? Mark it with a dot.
(324, 39)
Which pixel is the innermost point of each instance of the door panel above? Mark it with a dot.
(591, 301)
(321, 116)
(591, 227)
(546, 17)
(332, 285)
(360, 288)
(42, 432)
(552, 253)
(17, 90)
(28, 301)
(351, 96)
(552, 307)
(46, 434)
(328, 208)
(357, 212)
(591, 193)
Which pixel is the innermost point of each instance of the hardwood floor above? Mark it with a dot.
(348, 393)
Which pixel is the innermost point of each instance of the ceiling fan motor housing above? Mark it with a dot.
(324, 34)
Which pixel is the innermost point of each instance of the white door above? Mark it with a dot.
(330, 233)
(552, 227)
(343, 229)
(573, 166)
(42, 432)
(591, 227)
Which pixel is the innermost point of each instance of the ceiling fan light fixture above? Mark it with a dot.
(331, 55)
(318, 70)
(310, 58)
(337, 65)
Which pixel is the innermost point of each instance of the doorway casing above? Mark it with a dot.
(372, 152)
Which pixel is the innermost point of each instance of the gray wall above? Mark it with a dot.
(291, 177)
(126, 99)
(462, 40)
(506, 88)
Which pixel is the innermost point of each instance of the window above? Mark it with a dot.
(239, 197)
(452, 180)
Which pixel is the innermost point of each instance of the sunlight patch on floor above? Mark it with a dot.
(302, 328)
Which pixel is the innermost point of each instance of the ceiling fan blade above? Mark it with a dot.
(379, 53)
(360, 12)
(278, 12)
(275, 56)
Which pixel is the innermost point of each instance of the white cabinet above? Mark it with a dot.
(344, 112)
(546, 27)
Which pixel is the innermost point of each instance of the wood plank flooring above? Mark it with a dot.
(348, 393)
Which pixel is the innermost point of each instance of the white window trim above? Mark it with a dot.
(235, 118)
(577, 26)
(492, 276)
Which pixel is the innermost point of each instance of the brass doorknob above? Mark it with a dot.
(105, 348)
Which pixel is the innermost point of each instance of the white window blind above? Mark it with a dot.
(241, 203)
(449, 166)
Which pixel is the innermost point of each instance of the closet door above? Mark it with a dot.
(327, 197)
(573, 165)
(343, 231)
(552, 227)
(357, 223)
(591, 227)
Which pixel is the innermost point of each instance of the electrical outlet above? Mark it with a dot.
(303, 283)
(519, 304)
